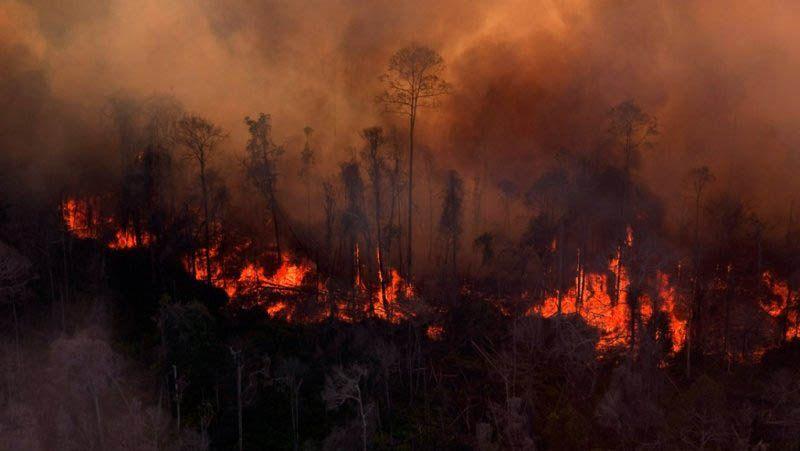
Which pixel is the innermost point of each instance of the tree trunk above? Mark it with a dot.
(239, 401)
(381, 275)
(177, 397)
(410, 242)
(363, 420)
(207, 226)
(99, 419)
(274, 209)
(18, 350)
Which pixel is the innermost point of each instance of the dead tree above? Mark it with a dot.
(344, 385)
(413, 80)
(290, 375)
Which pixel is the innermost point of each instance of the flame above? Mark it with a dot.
(78, 218)
(125, 239)
(779, 303)
(396, 289)
(611, 316)
(289, 275)
(82, 219)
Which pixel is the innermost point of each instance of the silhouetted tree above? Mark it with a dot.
(699, 178)
(261, 167)
(307, 161)
(375, 139)
(450, 223)
(201, 137)
(413, 80)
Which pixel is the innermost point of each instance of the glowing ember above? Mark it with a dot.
(434, 332)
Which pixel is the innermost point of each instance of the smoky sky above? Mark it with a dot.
(529, 78)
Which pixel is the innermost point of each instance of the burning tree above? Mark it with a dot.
(354, 219)
(201, 137)
(375, 139)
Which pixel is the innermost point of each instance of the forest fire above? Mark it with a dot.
(296, 275)
(83, 218)
(595, 297)
(403, 225)
(597, 305)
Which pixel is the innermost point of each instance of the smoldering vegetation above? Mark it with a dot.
(337, 225)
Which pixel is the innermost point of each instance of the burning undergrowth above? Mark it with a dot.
(294, 289)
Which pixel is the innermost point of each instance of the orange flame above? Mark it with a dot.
(779, 303)
(611, 316)
(82, 219)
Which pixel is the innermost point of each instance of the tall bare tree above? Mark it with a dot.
(413, 80)
(200, 136)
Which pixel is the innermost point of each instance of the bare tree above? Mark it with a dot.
(88, 365)
(201, 137)
(260, 165)
(344, 385)
(413, 80)
(15, 273)
(290, 375)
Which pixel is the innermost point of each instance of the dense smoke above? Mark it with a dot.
(530, 78)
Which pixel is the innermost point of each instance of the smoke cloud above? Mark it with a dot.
(529, 78)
